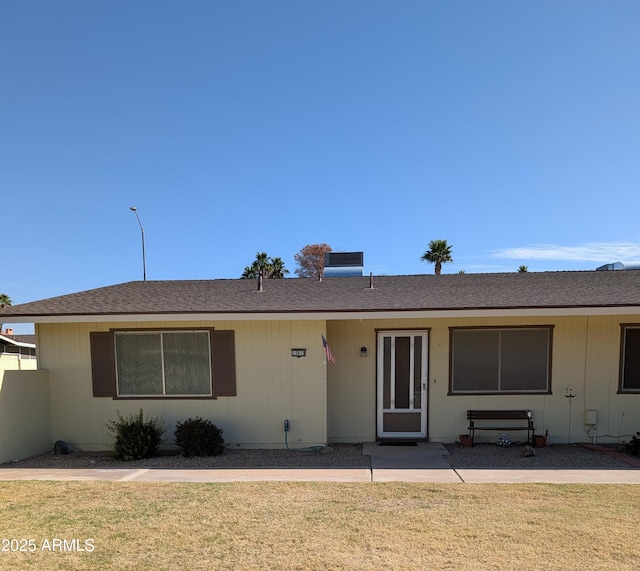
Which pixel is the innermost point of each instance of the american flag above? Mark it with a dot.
(327, 350)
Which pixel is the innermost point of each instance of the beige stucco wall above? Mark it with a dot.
(25, 414)
(337, 403)
(586, 355)
(11, 362)
(271, 386)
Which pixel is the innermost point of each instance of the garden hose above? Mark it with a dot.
(307, 449)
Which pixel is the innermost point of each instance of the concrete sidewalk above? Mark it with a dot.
(425, 463)
(195, 475)
(430, 475)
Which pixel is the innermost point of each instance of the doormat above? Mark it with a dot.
(397, 443)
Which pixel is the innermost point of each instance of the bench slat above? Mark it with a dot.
(501, 427)
(497, 414)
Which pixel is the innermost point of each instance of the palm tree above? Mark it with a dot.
(523, 269)
(266, 267)
(439, 253)
(249, 273)
(263, 264)
(277, 268)
(5, 301)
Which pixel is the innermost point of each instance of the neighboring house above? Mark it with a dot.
(17, 352)
(412, 354)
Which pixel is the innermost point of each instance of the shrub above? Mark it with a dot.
(136, 436)
(199, 437)
(633, 447)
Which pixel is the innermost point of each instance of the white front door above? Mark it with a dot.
(402, 384)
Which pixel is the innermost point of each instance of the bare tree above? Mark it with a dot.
(310, 260)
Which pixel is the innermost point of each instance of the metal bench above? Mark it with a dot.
(504, 416)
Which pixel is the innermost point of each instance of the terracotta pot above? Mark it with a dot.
(539, 441)
(465, 440)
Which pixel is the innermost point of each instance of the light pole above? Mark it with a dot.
(144, 262)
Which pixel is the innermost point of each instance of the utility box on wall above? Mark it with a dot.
(590, 417)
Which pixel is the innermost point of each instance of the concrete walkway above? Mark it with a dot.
(424, 463)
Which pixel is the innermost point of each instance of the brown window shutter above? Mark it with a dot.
(224, 363)
(103, 366)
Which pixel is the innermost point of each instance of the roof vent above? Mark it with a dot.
(619, 266)
(342, 264)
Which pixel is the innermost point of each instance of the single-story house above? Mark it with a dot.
(412, 354)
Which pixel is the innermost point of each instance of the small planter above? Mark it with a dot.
(539, 441)
(465, 440)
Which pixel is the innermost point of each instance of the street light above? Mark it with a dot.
(144, 263)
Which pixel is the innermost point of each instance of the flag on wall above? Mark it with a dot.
(327, 350)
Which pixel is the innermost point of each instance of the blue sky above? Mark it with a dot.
(510, 129)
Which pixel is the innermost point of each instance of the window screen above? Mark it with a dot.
(170, 363)
(500, 360)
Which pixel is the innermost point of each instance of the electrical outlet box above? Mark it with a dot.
(286, 426)
(590, 417)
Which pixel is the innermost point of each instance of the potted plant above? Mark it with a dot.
(465, 440)
(539, 441)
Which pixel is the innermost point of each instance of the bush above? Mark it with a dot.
(199, 437)
(136, 436)
(633, 447)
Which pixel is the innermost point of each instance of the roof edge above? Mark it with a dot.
(340, 315)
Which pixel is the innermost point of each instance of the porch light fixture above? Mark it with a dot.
(363, 351)
(144, 262)
(299, 352)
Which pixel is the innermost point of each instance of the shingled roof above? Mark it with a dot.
(416, 293)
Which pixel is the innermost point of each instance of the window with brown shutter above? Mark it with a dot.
(103, 370)
(224, 363)
(630, 359)
(163, 364)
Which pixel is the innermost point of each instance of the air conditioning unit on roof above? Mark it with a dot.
(343, 264)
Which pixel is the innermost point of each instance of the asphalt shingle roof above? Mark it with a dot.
(348, 294)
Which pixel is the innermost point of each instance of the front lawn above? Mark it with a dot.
(265, 525)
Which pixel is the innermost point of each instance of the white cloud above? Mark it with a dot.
(605, 252)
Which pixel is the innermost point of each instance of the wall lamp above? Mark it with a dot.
(363, 351)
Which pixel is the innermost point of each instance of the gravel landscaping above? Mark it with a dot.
(553, 456)
(339, 456)
(347, 456)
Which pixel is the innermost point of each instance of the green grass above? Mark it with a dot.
(268, 525)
